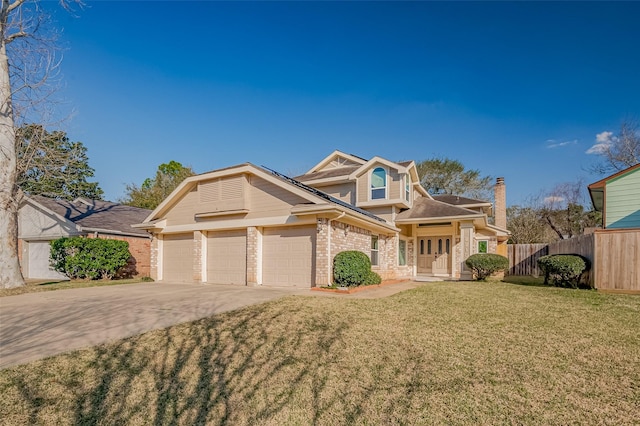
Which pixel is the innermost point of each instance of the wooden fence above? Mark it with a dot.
(617, 260)
(523, 258)
(614, 256)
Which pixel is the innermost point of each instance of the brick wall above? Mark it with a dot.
(322, 260)
(346, 237)
(140, 249)
(154, 257)
(252, 255)
(197, 256)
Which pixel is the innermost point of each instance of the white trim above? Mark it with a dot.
(386, 184)
(330, 158)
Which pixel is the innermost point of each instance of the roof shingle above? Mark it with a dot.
(95, 214)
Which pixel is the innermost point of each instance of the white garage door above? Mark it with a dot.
(227, 257)
(38, 262)
(288, 257)
(177, 257)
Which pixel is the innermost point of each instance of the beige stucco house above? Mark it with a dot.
(248, 225)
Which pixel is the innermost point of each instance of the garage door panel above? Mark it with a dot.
(289, 256)
(227, 257)
(177, 257)
(38, 262)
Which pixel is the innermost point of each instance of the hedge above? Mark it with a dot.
(92, 258)
(484, 265)
(563, 270)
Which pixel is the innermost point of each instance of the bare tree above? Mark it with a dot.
(26, 64)
(566, 210)
(617, 151)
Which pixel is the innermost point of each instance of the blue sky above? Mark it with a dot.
(519, 90)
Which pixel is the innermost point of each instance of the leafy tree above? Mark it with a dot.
(50, 164)
(153, 191)
(26, 63)
(619, 151)
(446, 176)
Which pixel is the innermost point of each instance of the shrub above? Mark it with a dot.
(485, 264)
(351, 268)
(372, 278)
(91, 258)
(563, 270)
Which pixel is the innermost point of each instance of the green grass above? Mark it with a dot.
(42, 285)
(524, 280)
(444, 353)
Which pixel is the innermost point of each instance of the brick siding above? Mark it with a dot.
(140, 249)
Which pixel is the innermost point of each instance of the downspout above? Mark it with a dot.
(329, 265)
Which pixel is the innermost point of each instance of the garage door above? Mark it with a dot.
(227, 257)
(288, 256)
(38, 262)
(177, 258)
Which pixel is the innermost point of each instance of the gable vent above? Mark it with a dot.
(230, 189)
(209, 191)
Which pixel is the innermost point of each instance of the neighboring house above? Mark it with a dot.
(42, 219)
(248, 225)
(618, 198)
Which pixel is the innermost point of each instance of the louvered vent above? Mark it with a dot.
(209, 191)
(231, 189)
(222, 194)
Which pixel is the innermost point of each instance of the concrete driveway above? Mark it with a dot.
(38, 325)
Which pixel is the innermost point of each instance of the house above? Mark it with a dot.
(618, 198)
(248, 225)
(42, 219)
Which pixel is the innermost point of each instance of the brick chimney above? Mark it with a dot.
(500, 205)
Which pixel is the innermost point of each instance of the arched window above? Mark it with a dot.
(378, 184)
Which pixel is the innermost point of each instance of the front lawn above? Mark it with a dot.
(444, 353)
(44, 285)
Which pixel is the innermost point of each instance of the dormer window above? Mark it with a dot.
(378, 184)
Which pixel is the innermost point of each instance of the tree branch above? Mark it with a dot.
(15, 36)
(15, 5)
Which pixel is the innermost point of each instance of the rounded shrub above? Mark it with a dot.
(484, 265)
(563, 270)
(351, 268)
(372, 278)
(91, 258)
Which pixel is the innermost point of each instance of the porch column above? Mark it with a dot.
(466, 244)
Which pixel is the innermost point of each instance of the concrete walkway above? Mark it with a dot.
(39, 325)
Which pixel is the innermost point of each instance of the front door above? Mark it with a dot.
(434, 255)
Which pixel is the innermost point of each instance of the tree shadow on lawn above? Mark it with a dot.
(528, 280)
(246, 367)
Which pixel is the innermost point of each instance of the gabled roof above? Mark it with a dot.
(427, 209)
(312, 195)
(95, 215)
(350, 158)
(330, 173)
(601, 183)
(596, 189)
(318, 176)
(457, 200)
